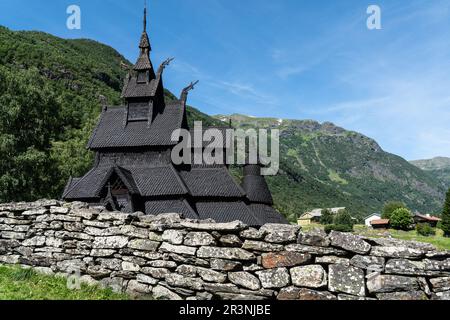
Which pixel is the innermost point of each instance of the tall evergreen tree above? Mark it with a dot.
(446, 216)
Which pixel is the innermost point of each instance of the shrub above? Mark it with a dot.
(401, 219)
(326, 217)
(343, 218)
(390, 207)
(424, 229)
(338, 227)
(445, 223)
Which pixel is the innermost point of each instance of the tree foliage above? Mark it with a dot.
(445, 223)
(401, 219)
(326, 217)
(390, 207)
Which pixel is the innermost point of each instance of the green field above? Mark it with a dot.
(25, 284)
(438, 240)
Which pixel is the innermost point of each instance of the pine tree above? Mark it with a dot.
(445, 224)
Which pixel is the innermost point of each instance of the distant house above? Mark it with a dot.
(313, 216)
(372, 217)
(431, 220)
(380, 224)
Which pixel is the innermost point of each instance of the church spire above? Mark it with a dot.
(145, 42)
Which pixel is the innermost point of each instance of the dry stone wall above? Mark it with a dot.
(172, 258)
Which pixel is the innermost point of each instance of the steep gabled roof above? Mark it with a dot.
(266, 214)
(111, 133)
(156, 207)
(257, 189)
(211, 182)
(158, 181)
(226, 212)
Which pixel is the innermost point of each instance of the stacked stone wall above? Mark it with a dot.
(168, 257)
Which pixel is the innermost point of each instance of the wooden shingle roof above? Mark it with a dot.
(111, 132)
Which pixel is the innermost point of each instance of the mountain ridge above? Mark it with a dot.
(322, 165)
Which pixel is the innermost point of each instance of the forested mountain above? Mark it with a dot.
(438, 167)
(51, 94)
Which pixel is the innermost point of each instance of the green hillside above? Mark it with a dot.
(51, 92)
(323, 165)
(438, 167)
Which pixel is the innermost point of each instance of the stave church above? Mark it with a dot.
(133, 169)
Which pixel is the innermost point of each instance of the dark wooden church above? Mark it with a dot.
(133, 170)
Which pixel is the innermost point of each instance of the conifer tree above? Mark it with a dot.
(445, 224)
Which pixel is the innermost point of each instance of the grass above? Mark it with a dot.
(439, 241)
(25, 284)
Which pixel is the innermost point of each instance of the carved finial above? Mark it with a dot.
(167, 62)
(186, 90)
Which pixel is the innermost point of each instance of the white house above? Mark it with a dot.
(372, 217)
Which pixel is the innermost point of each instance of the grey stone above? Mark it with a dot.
(280, 233)
(53, 242)
(96, 224)
(177, 280)
(98, 271)
(173, 236)
(211, 275)
(113, 242)
(187, 270)
(225, 253)
(188, 260)
(407, 295)
(225, 265)
(377, 283)
(134, 232)
(252, 267)
(130, 266)
(136, 288)
(230, 240)
(274, 278)
(161, 293)
(397, 252)
(261, 246)
(73, 265)
(167, 247)
(34, 212)
(239, 296)
(349, 242)
(346, 279)
(348, 297)
(207, 226)
(115, 284)
(245, 280)
(319, 251)
(102, 252)
(143, 278)
(311, 276)
(13, 235)
(294, 293)
(158, 273)
(444, 295)
(11, 259)
(370, 263)
(221, 287)
(332, 260)
(199, 239)
(252, 234)
(316, 237)
(37, 241)
(143, 244)
(112, 264)
(284, 259)
(162, 264)
(440, 284)
(155, 236)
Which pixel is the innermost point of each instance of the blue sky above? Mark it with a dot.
(292, 59)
